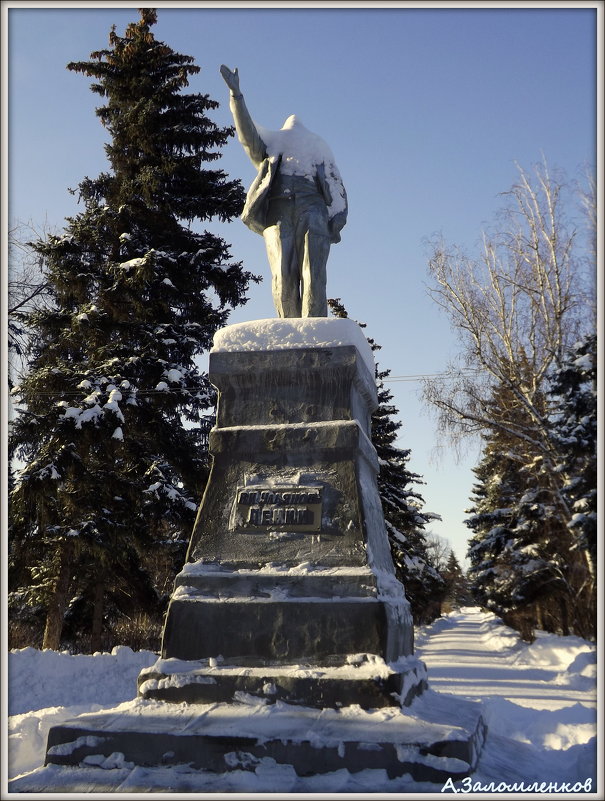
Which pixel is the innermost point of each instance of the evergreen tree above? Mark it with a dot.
(574, 389)
(493, 521)
(574, 432)
(516, 570)
(522, 565)
(110, 412)
(401, 503)
(457, 590)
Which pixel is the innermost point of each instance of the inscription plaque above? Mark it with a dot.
(294, 508)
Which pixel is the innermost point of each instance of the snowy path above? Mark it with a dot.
(538, 700)
(467, 655)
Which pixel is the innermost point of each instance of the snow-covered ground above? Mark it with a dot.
(539, 702)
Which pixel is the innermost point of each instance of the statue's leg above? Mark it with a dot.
(315, 250)
(280, 244)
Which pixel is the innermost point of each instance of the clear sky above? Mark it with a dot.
(426, 110)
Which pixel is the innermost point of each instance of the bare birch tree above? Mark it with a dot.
(27, 290)
(516, 307)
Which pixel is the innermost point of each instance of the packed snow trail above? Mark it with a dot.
(472, 653)
(538, 700)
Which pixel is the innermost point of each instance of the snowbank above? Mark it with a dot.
(39, 679)
(558, 652)
(46, 687)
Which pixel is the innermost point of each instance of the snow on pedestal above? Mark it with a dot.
(293, 332)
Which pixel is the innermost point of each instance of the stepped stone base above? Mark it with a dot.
(285, 615)
(364, 680)
(288, 638)
(436, 740)
(325, 630)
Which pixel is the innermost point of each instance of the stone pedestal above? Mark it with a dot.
(289, 562)
(287, 614)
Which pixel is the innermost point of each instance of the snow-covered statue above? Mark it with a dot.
(297, 202)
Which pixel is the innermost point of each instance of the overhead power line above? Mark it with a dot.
(181, 389)
(422, 376)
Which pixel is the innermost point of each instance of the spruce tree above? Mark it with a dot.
(110, 411)
(522, 564)
(512, 572)
(401, 503)
(492, 522)
(457, 590)
(573, 388)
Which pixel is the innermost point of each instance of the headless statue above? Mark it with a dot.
(297, 202)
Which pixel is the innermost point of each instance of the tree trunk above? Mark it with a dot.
(58, 601)
(97, 617)
(539, 617)
(564, 619)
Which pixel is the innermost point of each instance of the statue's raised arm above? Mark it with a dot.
(247, 132)
(297, 202)
(231, 79)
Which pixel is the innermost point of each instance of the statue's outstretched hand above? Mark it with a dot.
(231, 79)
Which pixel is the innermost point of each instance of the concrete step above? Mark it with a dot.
(365, 680)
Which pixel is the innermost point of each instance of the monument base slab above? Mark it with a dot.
(437, 738)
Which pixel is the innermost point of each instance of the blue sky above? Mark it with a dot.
(426, 110)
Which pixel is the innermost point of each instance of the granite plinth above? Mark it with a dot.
(258, 626)
(324, 456)
(292, 490)
(302, 385)
(276, 616)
